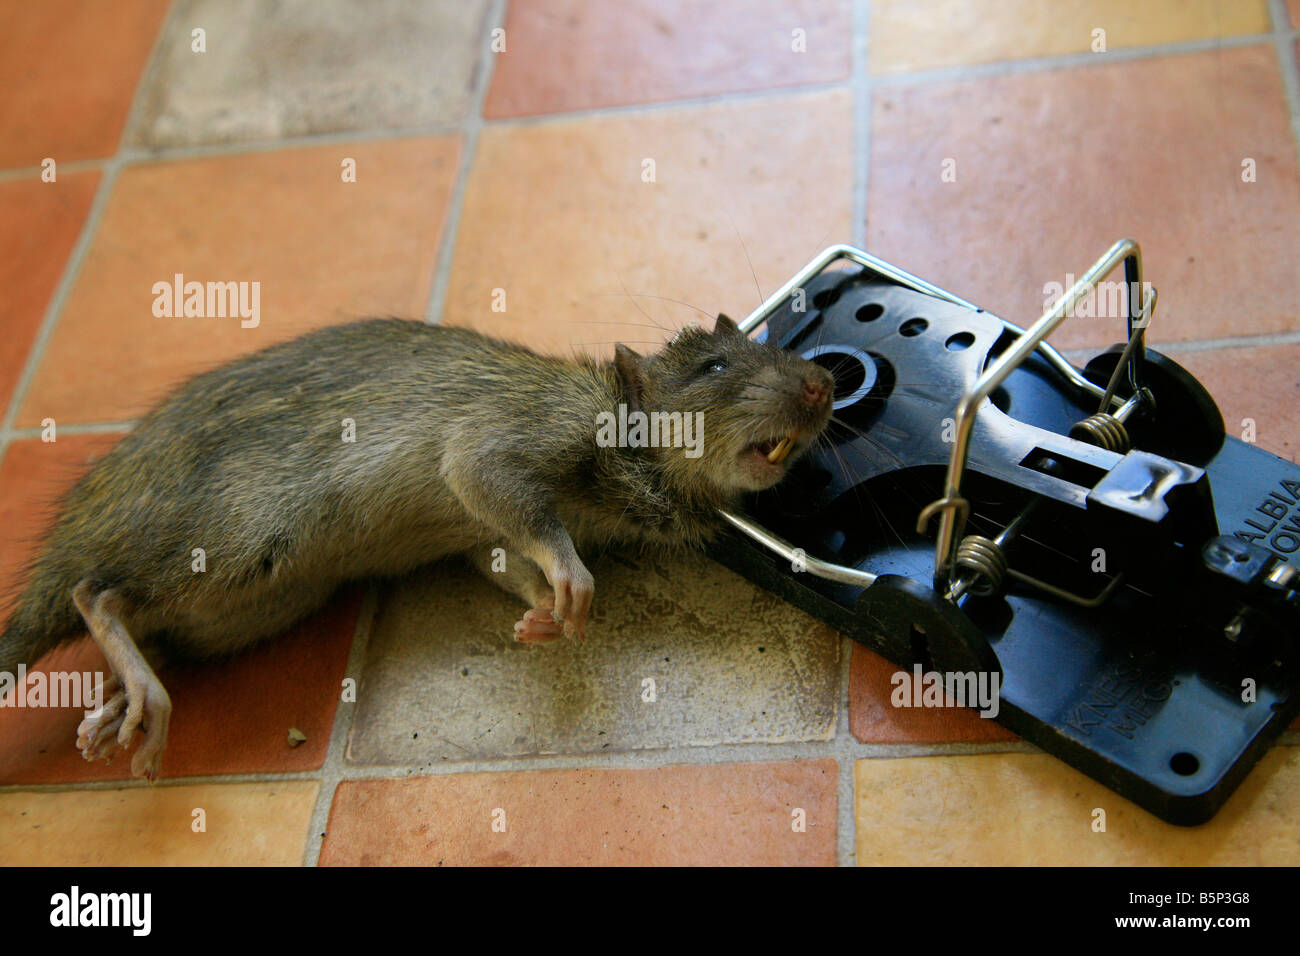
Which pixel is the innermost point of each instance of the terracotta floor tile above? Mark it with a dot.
(1033, 810)
(39, 225)
(730, 663)
(912, 35)
(1295, 12)
(69, 71)
(247, 824)
(1045, 184)
(730, 815)
(874, 720)
(1262, 384)
(571, 54)
(558, 216)
(274, 69)
(323, 250)
(33, 477)
(232, 717)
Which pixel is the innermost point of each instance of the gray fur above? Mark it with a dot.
(463, 443)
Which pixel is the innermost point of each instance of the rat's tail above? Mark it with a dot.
(44, 620)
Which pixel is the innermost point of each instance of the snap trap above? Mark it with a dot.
(1089, 536)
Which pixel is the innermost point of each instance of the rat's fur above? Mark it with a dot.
(462, 444)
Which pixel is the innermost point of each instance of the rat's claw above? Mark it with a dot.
(574, 590)
(96, 735)
(149, 710)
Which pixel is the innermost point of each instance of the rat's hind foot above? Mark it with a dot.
(142, 704)
(114, 727)
(97, 734)
(148, 709)
(539, 625)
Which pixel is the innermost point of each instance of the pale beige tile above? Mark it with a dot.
(1033, 810)
(247, 824)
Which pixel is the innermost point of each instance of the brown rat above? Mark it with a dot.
(461, 444)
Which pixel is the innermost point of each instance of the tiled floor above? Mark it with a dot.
(616, 172)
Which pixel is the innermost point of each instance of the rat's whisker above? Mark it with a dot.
(664, 298)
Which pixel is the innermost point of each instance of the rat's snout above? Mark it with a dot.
(816, 392)
(818, 386)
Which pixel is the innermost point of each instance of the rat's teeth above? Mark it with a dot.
(777, 454)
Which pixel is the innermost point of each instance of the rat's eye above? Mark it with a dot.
(713, 366)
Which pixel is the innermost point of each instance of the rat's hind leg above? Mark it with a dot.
(139, 701)
(97, 734)
(517, 575)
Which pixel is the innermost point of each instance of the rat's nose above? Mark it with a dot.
(815, 393)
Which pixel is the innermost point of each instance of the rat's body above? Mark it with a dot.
(240, 504)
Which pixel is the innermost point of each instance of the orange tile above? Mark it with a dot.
(1053, 167)
(874, 720)
(1261, 384)
(557, 215)
(1034, 810)
(69, 71)
(229, 717)
(727, 815)
(569, 55)
(39, 225)
(924, 34)
(324, 251)
(243, 824)
(1295, 12)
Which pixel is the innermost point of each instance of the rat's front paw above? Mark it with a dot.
(574, 588)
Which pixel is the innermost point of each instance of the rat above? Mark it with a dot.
(241, 503)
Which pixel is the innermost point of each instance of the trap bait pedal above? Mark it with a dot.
(1129, 573)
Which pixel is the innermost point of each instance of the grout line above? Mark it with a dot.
(494, 17)
(333, 769)
(1284, 41)
(847, 751)
(1065, 61)
(699, 101)
(71, 167)
(861, 85)
(144, 156)
(86, 428)
(1229, 342)
(845, 828)
(1174, 346)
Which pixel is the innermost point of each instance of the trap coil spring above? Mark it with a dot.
(985, 560)
(1104, 430)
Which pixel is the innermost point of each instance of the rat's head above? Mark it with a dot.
(760, 407)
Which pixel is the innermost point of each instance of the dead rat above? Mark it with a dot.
(240, 504)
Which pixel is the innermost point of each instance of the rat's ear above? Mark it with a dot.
(724, 326)
(630, 375)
